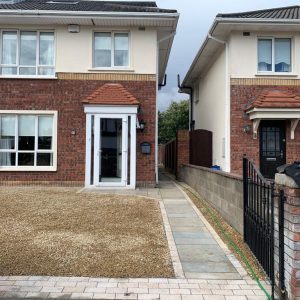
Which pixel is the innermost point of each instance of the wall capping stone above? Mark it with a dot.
(222, 173)
(282, 179)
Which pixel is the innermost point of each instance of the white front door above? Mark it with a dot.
(110, 146)
(110, 150)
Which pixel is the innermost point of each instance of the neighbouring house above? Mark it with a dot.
(245, 88)
(78, 90)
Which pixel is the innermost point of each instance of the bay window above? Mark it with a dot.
(28, 141)
(27, 53)
(274, 55)
(111, 49)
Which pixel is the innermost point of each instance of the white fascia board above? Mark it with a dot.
(256, 20)
(274, 113)
(110, 109)
(39, 13)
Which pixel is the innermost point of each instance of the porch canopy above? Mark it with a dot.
(274, 104)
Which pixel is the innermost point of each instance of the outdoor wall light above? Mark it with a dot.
(246, 128)
(142, 125)
(73, 132)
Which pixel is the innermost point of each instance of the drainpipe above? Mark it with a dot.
(190, 93)
(157, 87)
(227, 102)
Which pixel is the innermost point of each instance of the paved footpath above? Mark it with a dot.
(204, 267)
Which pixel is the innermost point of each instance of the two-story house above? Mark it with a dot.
(78, 90)
(245, 83)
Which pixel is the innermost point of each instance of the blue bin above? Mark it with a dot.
(216, 168)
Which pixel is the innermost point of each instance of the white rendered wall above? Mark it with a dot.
(74, 50)
(209, 112)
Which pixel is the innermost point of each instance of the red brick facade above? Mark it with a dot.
(291, 237)
(65, 96)
(243, 143)
(183, 149)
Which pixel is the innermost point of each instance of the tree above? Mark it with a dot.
(176, 117)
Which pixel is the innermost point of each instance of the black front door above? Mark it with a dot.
(272, 147)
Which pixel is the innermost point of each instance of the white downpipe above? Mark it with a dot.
(156, 112)
(227, 103)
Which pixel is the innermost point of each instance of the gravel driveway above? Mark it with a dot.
(58, 232)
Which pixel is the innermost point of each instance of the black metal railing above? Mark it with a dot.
(281, 275)
(259, 217)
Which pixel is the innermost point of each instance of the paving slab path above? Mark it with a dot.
(200, 254)
(205, 269)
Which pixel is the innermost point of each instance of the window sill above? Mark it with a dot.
(109, 70)
(28, 169)
(276, 74)
(26, 77)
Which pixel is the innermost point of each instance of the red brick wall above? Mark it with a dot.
(243, 143)
(65, 96)
(183, 148)
(291, 239)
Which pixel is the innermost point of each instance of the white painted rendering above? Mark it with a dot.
(243, 54)
(209, 111)
(74, 51)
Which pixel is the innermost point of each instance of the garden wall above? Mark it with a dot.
(223, 190)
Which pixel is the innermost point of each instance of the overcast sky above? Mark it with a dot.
(196, 17)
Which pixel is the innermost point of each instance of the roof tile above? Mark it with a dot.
(111, 94)
(275, 99)
(289, 12)
(86, 5)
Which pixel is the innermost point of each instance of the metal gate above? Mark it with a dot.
(259, 217)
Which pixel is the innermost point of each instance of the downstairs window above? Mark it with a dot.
(28, 141)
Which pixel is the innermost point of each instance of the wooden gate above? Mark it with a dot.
(201, 148)
(170, 160)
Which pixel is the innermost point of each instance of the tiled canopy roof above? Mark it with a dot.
(289, 12)
(275, 99)
(89, 6)
(111, 94)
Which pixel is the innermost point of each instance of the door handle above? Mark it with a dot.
(281, 154)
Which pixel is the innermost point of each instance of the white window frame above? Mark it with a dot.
(112, 67)
(273, 54)
(37, 65)
(35, 151)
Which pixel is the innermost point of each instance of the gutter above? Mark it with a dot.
(51, 13)
(190, 93)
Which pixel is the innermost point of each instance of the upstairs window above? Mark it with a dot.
(28, 53)
(111, 50)
(274, 55)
